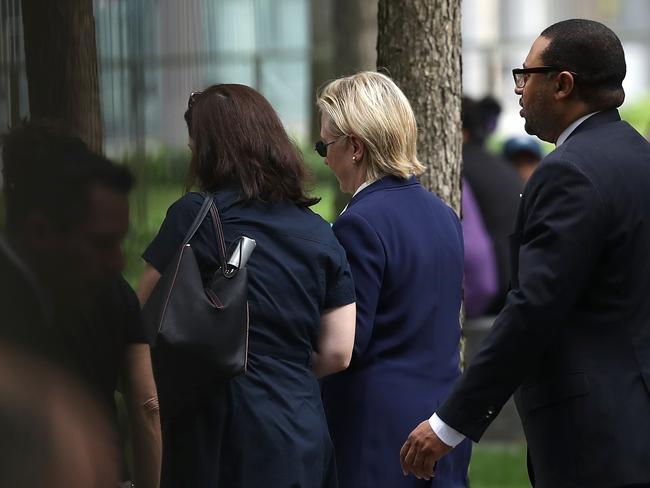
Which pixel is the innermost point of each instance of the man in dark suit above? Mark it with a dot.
(573, 339)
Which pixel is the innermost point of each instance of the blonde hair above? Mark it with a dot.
(370, 106)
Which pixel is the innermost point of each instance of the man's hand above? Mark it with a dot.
(421, 451)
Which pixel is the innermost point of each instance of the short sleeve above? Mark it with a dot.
(165, 245)
(339, 287)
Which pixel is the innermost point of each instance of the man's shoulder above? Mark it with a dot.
(604, 150)
(18, 286)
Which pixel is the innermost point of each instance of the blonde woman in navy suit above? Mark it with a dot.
(405, 248)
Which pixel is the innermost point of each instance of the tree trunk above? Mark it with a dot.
(344, 36)
(321, 56)
(61, 65)
(419, 45)
(354, 23)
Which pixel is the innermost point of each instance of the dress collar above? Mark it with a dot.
(386, 182)
(363, 185)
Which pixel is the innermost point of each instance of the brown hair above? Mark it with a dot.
(238, 140)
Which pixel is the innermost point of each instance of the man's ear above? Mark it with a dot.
(358, 148)
(564, 85)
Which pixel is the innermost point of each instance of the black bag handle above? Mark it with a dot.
(198, 220)
(216, 222)
(209, 206)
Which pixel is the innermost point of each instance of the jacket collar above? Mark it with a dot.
(600, 118)
(385, 183)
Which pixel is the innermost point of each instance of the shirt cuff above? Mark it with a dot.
(446, 434)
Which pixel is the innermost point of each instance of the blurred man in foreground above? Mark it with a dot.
(62, 296)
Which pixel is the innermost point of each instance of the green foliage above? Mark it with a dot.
(498, 466)
(638, 115)
(145, 224)
(165, 165)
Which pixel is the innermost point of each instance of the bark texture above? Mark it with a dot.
(419, 46)
(61, 65)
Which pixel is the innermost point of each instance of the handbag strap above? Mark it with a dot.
(209, 206)
(198, 220)
(216, 222)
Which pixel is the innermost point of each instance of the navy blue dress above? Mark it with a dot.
(266, 427)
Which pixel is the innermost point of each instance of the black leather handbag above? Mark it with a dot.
(198, 333)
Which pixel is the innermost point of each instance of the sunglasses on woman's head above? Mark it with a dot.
(193, 98)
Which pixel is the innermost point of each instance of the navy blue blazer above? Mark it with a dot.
(405, 249)
(574, 336)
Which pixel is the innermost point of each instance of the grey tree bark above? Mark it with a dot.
(419, 45)
(61, 65)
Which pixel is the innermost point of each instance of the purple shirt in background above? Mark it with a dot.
(480, 261)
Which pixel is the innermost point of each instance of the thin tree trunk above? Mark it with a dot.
(321, 56)
(419, 45)
(61, 65)
(354, 24)
(354, 34)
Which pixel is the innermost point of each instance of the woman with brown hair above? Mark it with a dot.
(265, 427)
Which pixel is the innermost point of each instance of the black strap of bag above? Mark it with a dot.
(208, 201)
(216, 222)
(209, 206)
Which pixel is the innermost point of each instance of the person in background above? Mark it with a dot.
(405, 248)
(496, 186)
(265, 427)
(62, 296)
(480, 279)
(489, 110)
(524, 153)
(573, 340)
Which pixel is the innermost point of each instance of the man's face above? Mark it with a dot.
(536, 95)
(90, 254)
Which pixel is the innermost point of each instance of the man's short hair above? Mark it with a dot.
(48, 170)
(594, 52)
